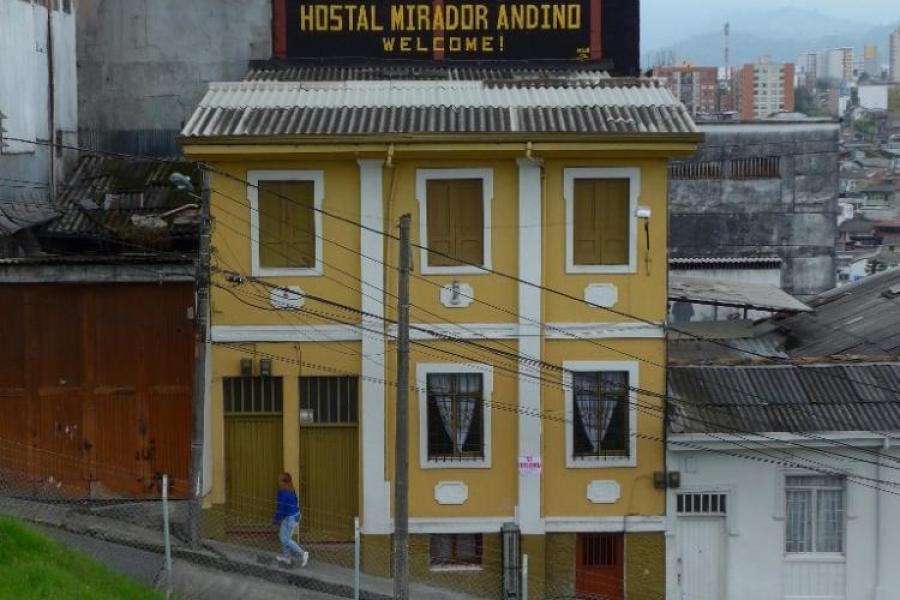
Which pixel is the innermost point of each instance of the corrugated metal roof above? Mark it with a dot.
(785, 398)
(862, 318)
(416, 72)
(408, 107)
(103, 193)
(771, 262)
(758, 296)
(703, 342)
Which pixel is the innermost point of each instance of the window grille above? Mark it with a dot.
(329, 400)
(455, 416)
(815, 514)
(600, 414)
(601, 550)
(702, 503)
(710, 169)
(253, 395)
(767, 167)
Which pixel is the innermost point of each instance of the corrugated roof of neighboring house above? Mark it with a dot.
(712, 341)
(104, 193)
(410, 107)
(784, 398)
(702, 290)
(862, 318)
(724, 262)
(313, 71)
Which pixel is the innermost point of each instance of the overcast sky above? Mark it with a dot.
(667, 21)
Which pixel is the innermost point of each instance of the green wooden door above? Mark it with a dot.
(329, 457)
(254, 458)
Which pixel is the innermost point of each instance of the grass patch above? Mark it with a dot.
(33, 567)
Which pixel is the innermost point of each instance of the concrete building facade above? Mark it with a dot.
(895, 56)
(761, 189)
(143, 66)
(696, 87)
(763, 89)
(26, 86)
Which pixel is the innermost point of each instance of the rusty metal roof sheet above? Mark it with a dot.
(334, 108)
(785, 398)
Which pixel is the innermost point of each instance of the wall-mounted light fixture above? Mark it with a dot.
(246, 367)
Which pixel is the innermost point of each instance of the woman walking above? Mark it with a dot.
(287, 514)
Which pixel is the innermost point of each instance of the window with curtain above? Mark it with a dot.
(815, 514)
(287, 225)
(600, 414)
(455, 416)
(602, 221)
(455, 224)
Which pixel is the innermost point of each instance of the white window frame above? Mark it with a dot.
(487, 389)
(487, 189)
(801, 556)
(633, 175)
(601, 462)
(318, 180)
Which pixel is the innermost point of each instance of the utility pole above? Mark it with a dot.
(201, 316)
(401, 449)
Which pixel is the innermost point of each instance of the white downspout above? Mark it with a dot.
(880, 554)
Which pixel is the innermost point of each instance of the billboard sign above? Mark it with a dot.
(460, 30)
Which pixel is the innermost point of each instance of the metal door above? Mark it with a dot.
(254, 451)
(599, 566)
(329, 457)
(701, 558)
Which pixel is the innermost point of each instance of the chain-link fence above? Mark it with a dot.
(240, 542)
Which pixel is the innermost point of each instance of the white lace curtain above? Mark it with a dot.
(596, 397)
(815, 514)
(456, 407)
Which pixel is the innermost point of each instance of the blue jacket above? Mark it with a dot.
(286, 505)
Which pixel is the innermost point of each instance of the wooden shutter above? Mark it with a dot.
(455, 222)
(287, 236)
(601, 227)
(466, 196)
(441, 237)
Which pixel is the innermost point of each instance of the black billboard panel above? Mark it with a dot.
(454, 30)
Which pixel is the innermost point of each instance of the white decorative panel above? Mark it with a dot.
(604, 492)
(451, 492)
(819, 579)
(457, 295)
(287, 298)
(602, 294)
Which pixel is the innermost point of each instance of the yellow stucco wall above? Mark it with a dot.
(492, 492)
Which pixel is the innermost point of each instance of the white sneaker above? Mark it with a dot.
(305, 559)
(286, 561)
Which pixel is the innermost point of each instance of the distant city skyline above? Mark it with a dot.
(666, 22)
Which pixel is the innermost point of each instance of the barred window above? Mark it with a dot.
(815, 514)
(257, 395)
(329, 400)
(455, 416)
(456, 550)
(600, 414)
(702, 503)
(766, 167)
(709, 169)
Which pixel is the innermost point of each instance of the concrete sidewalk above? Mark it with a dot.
(223, 568)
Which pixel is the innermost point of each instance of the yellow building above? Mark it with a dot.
(538, 311)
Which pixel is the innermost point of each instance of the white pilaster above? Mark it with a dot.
(530, 520)
(376, 517)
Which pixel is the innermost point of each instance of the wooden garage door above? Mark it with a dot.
(329, 457)
(599, 567)
(254, 450)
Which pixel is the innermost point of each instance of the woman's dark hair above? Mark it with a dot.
(286, 482)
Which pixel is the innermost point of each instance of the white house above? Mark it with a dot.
(808, 508)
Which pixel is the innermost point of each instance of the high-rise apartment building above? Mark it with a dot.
(870, 61)
(763, 89)
(696, 87)
(895, 55)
